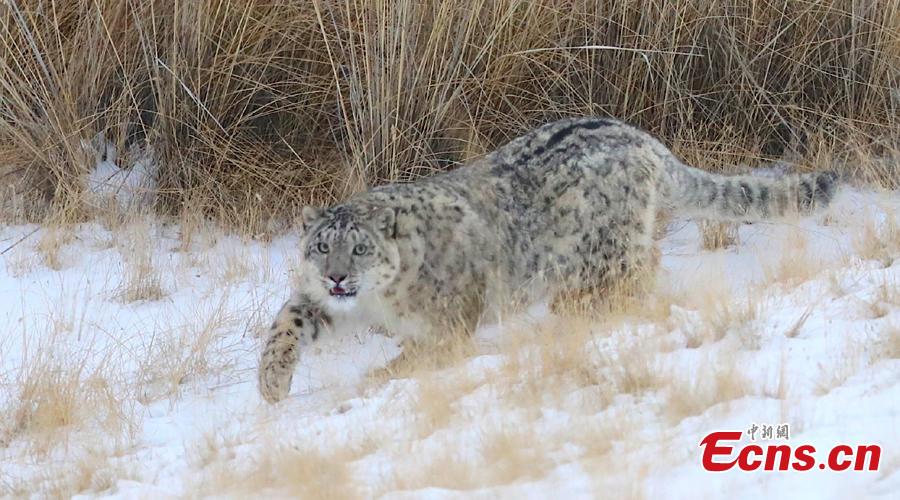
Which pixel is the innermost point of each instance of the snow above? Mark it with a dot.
(125, 188)
(182, 370)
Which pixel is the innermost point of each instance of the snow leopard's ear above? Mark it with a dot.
(386, 221)
(308, 215)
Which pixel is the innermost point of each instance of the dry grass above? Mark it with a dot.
(95, 470)
(515, 455)
(505, 455)
(56, 392)
(51, 245)
(184, 350)
(570, 365)
(544, 363)
(236, 266)
(889, 347)
(716, 380)
(284, 471)
(880, 239)
(20, 262)
(716, 235)
(628, 296)
(722, 313)
(795, 264)
(235, 262)
(257, 107)
(195, 230)
(210, 448)
(845, 364)
(795, 328)
(436, 397)
(141, 279)
(885, 300)
(427, 356)
(276, 468)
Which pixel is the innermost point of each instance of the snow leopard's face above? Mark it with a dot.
(353, 254)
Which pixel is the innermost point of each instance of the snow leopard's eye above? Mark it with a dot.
(360, 249)
(322, 247)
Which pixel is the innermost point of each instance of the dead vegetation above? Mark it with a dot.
(505, 456)
(795, 262)
(55, 393)
(51, 245)
(141, 278)
(255, 108)
(184, 349)
(718, 380)
(717, 311)
(714, 236)
(880, 239)
(890, 345)
(284, 471)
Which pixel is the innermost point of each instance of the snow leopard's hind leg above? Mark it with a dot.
(619, 266)
(299, 322)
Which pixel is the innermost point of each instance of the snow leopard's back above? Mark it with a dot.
(572, 202)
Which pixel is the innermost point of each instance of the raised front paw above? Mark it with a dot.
(298, 323)
(276, 368)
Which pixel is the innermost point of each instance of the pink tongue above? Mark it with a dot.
(337, 290)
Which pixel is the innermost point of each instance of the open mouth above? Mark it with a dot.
(341, 292)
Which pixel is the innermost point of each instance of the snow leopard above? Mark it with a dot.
(570, 205)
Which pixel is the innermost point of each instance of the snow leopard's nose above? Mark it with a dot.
(337, 278)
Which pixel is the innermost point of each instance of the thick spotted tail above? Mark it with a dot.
(744, 197)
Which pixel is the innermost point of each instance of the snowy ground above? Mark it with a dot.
(128, 355)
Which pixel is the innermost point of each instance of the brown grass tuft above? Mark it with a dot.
(141, 279)
(57, 392)
(880, 239)
(52, 243)
(95, 470)
(716, 381)
(716, 235)
(186, 350)
(726, 314)
(504, 456)
(284, 471)
(795, 264)
(844, 365)
(429, 355)
(885, 300)
(889, 345)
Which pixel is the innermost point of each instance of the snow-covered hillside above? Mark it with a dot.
(128, 356)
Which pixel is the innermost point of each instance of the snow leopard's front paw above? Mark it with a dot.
(276, 367)
(297, 324)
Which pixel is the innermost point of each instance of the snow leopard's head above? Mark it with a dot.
(351, 250)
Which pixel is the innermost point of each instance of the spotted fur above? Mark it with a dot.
(568, 206)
